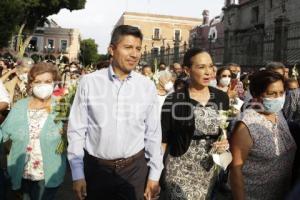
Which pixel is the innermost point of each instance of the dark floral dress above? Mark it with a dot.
(192, 175)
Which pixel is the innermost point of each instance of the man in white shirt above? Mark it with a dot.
(114, 133)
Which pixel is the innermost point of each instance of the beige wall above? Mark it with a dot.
(167, 25)
(72, 36)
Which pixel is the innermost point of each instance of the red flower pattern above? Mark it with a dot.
(29, 149)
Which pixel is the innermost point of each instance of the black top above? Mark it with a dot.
(178, 121)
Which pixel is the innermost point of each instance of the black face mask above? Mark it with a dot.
(233, 76)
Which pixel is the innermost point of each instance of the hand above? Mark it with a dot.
(79, 187)
(221, 146)
(152, 190)
(11, 71)
(232, 92)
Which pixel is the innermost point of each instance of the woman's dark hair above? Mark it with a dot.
(187, 59)
(124, 30)
(260, 81)
(220, 71)
(179, 83)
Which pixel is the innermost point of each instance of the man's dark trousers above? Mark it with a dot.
(115, 182)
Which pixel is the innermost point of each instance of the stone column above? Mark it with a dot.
(280, 39)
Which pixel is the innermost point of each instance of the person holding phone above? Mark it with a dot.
(236, 84)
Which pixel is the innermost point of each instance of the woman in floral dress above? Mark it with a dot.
(190, 127)
(36, 171)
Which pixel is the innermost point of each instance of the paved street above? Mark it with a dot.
(65, 192)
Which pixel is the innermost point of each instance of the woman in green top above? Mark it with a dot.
(35, 169)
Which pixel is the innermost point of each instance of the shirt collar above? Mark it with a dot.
(113, 75)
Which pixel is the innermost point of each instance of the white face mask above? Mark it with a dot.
(43, 91)
(169, 86)
(213, 83)
(238, 75)
(73, 69)
(225, 81)
(73, 82)
(23, 77)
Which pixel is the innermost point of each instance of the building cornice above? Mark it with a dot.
(159, 16)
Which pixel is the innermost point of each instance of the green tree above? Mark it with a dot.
(27, 15)
(8, 20)
(89, 52)
(103, 57)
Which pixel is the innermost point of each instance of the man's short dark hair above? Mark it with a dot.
(260, 81)
(187, 59)
(275, 66)
(124, 30)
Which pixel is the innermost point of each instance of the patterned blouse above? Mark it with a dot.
(34, 169)
(268, 169)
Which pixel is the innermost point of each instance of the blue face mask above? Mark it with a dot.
(273, 105)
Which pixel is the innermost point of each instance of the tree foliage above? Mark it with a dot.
(89, 52)
(26, 15)
(103, 57)
(9, 20)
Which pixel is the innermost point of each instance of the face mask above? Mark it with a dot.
(73, 69)
(73, 81)
(235, 75)
(225, 81)
(43, 91)
(23, 77)
(238, 75)
(213, 83)
(272, 105)
(169, 86)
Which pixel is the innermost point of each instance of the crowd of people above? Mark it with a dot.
(144, 132)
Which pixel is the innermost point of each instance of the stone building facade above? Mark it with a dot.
(54, 42)
(161, 32)
(258, 31)
(210, 36)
